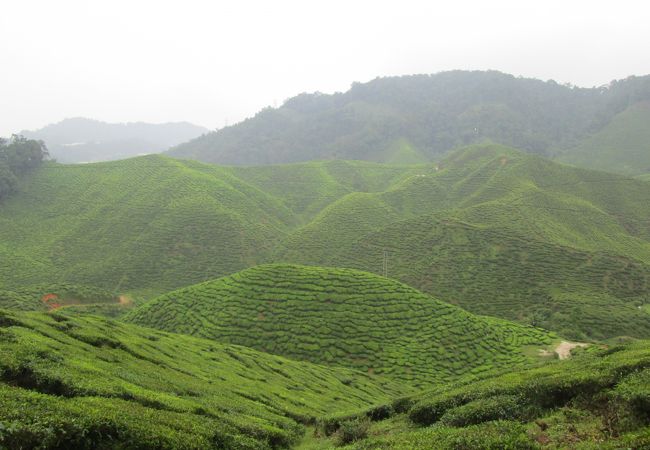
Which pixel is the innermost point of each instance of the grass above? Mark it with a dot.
(597, 399)
(87, 382)
(345, 318)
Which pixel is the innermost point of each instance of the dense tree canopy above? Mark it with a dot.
(18, 155)
(393, 119)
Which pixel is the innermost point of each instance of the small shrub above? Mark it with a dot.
(501, 407)
(352, 430)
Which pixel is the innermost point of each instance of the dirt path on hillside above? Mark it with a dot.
(564, 349)
(124, 300)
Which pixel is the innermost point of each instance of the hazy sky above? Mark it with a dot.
(209, 62)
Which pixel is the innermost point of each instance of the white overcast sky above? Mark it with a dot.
(212, 62)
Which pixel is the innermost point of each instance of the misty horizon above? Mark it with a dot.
(214, 65)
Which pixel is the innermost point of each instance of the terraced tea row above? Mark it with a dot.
(344, 317)
(88, 383)
(496, 272)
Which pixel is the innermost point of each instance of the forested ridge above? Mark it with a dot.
(419, 118)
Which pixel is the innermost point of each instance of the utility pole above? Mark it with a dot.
(385, 266)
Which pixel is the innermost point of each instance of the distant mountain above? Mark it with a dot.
(85, 140)
(420, 118)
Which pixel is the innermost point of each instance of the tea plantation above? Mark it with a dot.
(347, 318)
(86, 383)
(491, 229)
(148, 222)
(48, 297)
(598, 399)
(501, 233)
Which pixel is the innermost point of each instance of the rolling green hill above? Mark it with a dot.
(89, 383)
(622, 146)
(420, 118)
(307, 188)
(149, 222)
(347, 318)
(489, 228)
(503, 233)
(599, 399)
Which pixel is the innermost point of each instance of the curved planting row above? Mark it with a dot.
(346, 318)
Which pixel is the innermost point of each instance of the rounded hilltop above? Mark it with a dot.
(342, 317)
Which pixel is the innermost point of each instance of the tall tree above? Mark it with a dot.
(18, 155)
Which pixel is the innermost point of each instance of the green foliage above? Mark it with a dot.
(18, 156)
(622, 146)
(598, 399)
(499, 407)
(489, 228)
(144, 223)
(343, 317)
(419, 118)
(501, 233)
(45, 297)
(352, 430)
(94, 383)
(486, 436)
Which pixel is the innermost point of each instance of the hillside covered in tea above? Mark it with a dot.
(502, 233)
(347, 318)
(149, 222)
(599, 399)
(489, 228)
(87, 383)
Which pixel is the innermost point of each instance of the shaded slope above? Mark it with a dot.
(622, 146)
(343, 317)
(149, 222)
(598, 399)
(502, 233)
(93, 383)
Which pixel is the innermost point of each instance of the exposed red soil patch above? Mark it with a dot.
(51, 301)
